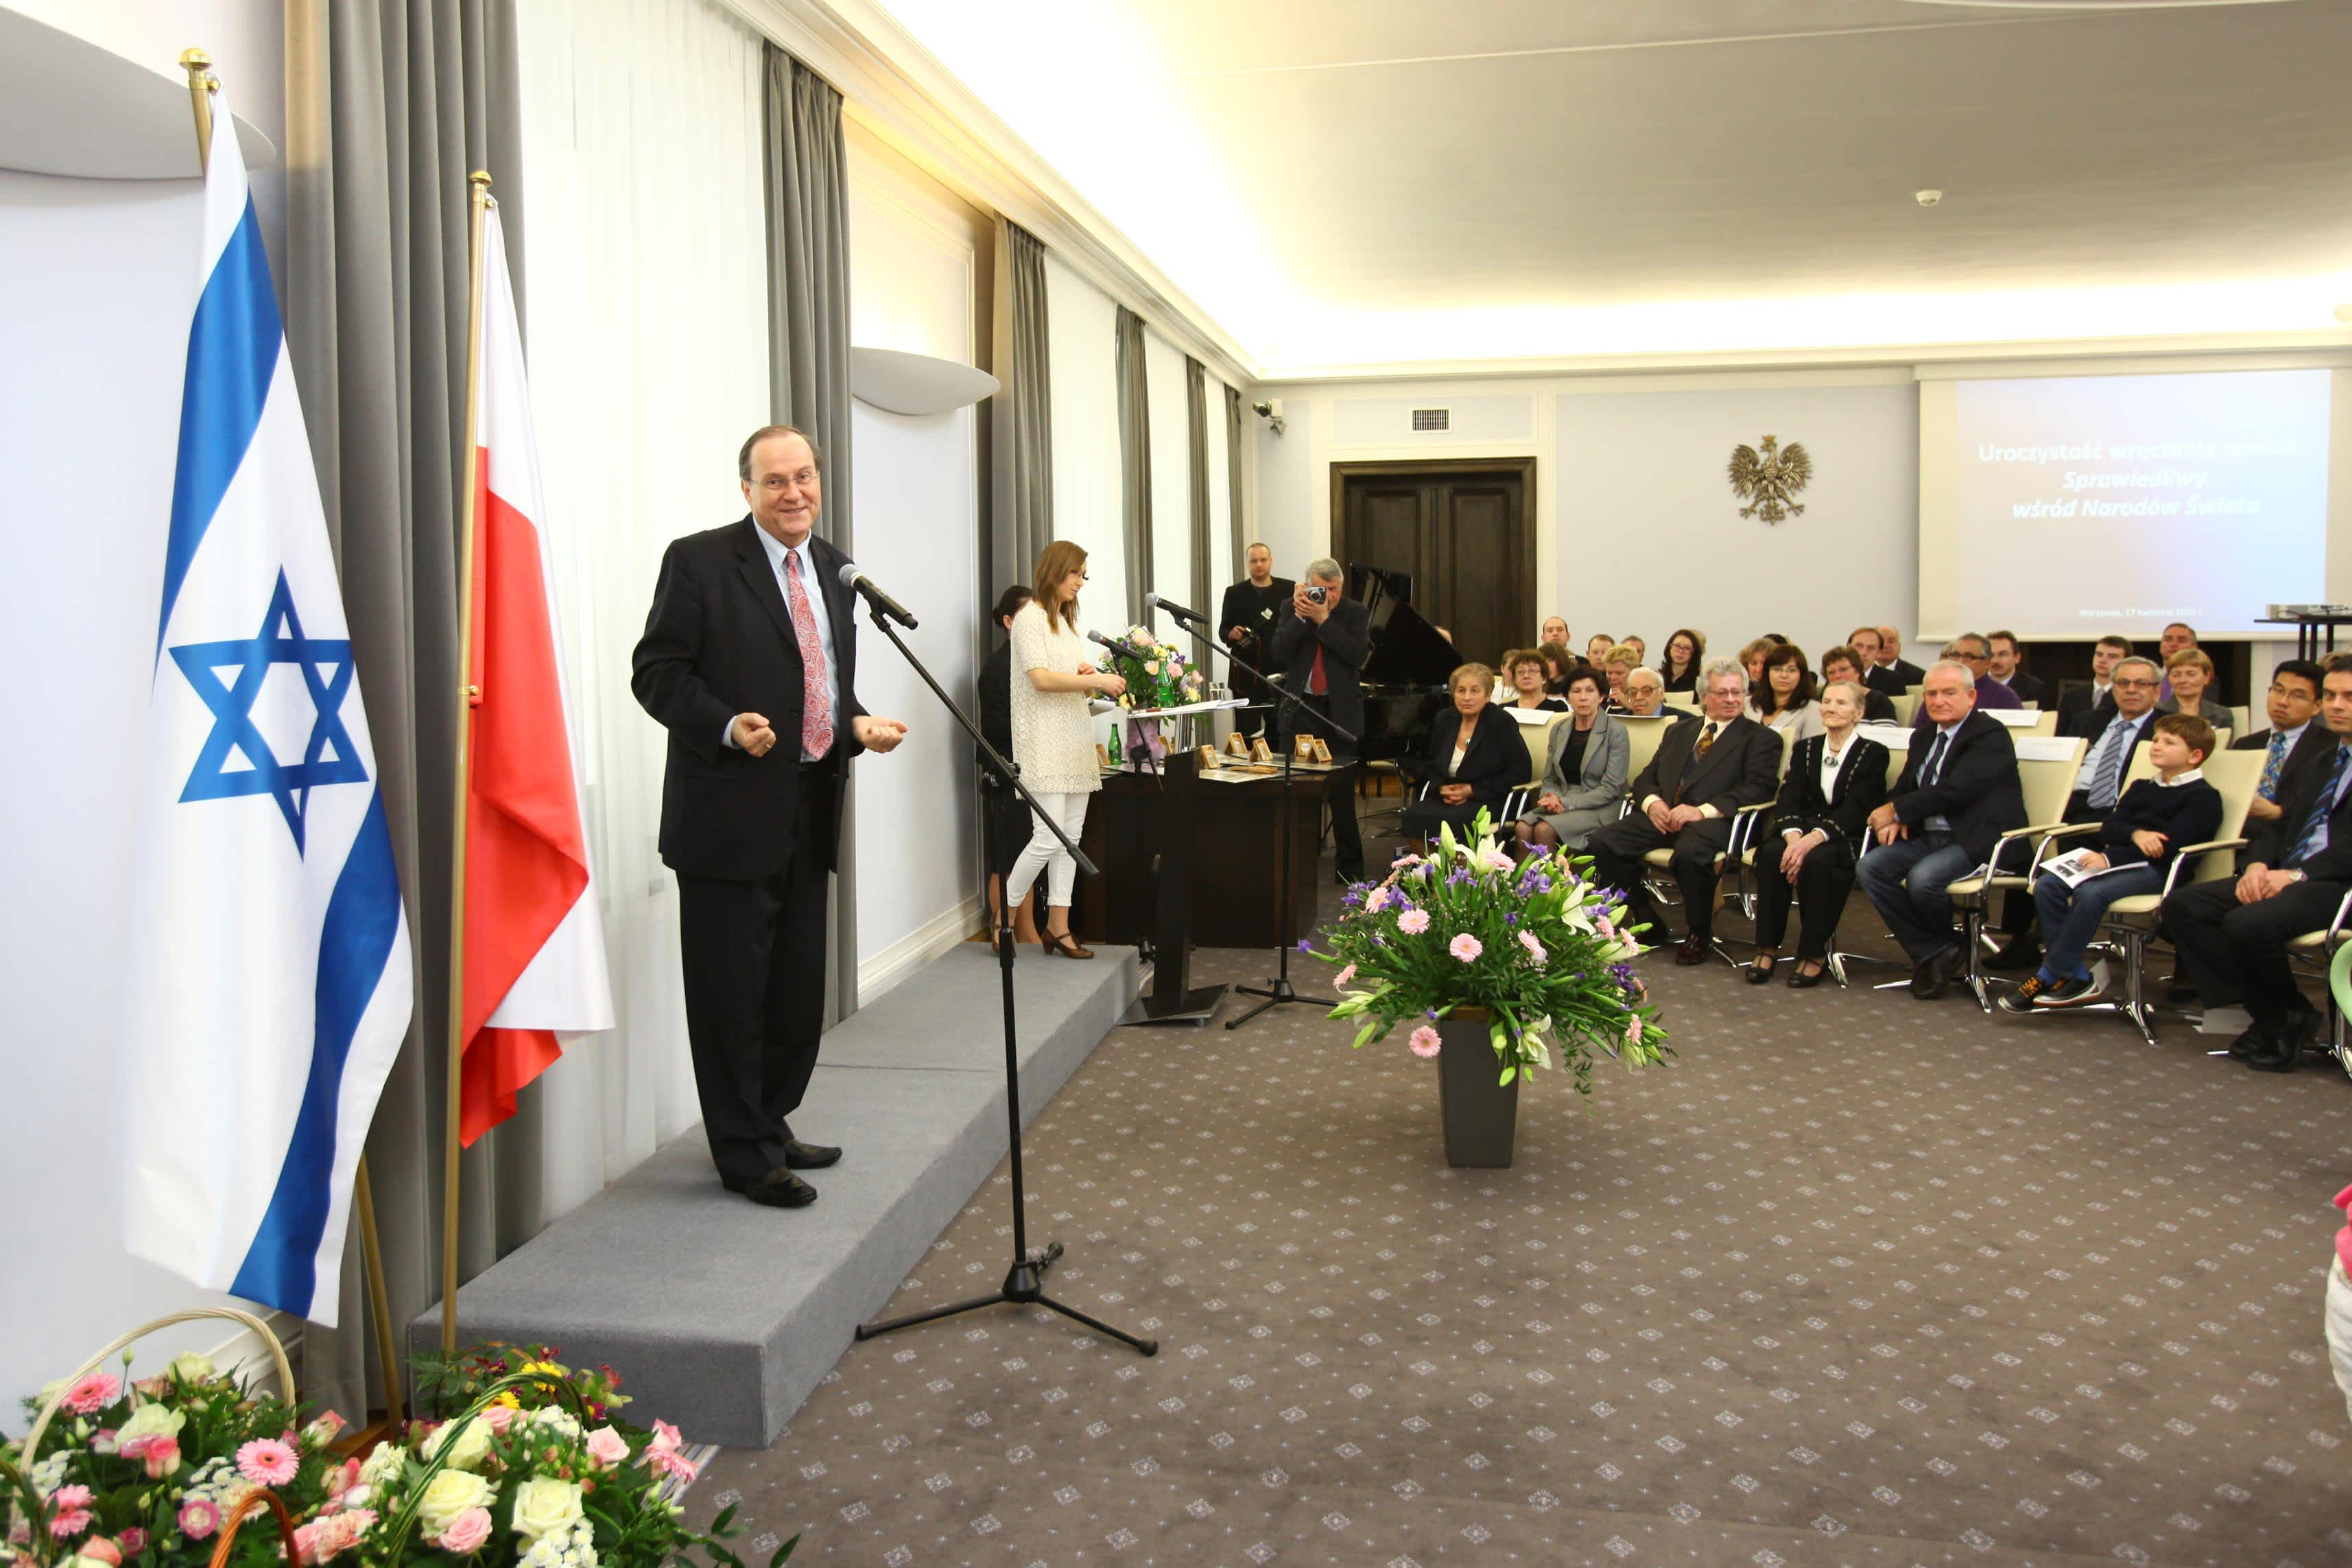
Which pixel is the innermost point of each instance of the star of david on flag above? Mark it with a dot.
(267, 986)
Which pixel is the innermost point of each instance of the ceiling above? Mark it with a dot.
(1390, 184)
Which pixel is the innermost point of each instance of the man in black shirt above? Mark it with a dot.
(1247, 620)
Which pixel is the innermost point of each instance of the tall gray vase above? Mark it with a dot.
(1481, 1119)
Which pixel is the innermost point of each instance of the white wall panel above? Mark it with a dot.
(1082, 328)
(1171, 476)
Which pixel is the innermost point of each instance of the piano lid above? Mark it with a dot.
(1406, 649)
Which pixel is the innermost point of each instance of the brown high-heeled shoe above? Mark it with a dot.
(1067, 946)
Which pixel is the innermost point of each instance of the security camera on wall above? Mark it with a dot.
(1271, 412)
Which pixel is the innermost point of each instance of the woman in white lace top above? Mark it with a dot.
(1053, 734)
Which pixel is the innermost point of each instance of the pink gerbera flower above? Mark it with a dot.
(267, 1462)
(72, 1516)
(90, 1395)
(1465, 947)
(1412, 923)
(1425, 1042)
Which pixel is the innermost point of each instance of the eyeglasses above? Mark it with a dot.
(2131, 681)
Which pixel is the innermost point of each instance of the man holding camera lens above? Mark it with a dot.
(1320, 647)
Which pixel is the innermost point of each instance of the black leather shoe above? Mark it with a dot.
(2275, 1053)
(1799, 980)
(2256, 1040)
(780, 1189)
(1759, 973)
(2023, 952)
(800, 1156)
(1691, 951)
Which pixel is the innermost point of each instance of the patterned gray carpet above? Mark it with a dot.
(1859, 1279)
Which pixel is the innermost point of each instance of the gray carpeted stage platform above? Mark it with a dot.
(723, 1314)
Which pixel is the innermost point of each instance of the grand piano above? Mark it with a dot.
(1404, 678)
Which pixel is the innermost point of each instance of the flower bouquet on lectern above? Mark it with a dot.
(1496, 965)
(1161, 679)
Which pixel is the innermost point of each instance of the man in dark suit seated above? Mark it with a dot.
(2293, 742)
(1321, 644)
(2008, 665)
(1247, 620)
(1889, 658)
(2078, 698)
(1958, 794)
(2233, 936)
(1705, 769)
(2114, 733)
(1846, 664)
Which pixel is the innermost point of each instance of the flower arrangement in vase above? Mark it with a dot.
(1163, 678)
(1535, 944)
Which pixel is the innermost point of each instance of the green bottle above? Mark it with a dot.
(1115, 759)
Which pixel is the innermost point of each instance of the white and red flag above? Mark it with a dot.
(535, 973)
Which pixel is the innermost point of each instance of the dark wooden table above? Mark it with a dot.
(1235, 857)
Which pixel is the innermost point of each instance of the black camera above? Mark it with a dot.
(1316, 594)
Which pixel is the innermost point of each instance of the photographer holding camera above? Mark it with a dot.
(1320, 647)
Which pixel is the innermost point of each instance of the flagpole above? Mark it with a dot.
(468, 695)
(202, 85)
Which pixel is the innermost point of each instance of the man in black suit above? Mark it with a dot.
(2292, 742)
(2233, 936)
(1246, 618)
(1890, 658)
(1705, 769)
(1958, 794)
(2007, 666)
(1864, 640)
(1320, 647)
(747, 660)
(2078, 698)
(2114, 734)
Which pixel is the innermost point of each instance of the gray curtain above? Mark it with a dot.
(1234, 475)
(1135, 462)
(389, 105)
(1196, 420)
(808, 356)
(1021, 520)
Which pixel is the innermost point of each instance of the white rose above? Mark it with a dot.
(382, 1464)
(466, 1445)
(544, 1504)
(193, 1366)
(151, 1420)
(451, 1493)
(556, 1419)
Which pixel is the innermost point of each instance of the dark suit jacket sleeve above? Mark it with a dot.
(1498, 762)
(1648, 782)
(1866, 790)
(1970, 771)
(663, 671)
(1758, 774)
(1345, 636)
(1799, 805)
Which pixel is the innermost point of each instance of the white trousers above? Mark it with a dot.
(2339, 1328)
(1045, 852)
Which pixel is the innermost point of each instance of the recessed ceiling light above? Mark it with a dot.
(1926, 198)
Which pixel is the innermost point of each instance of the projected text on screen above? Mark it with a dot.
(2096, 504)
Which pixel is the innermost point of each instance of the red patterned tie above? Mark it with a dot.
(1318, 683)
(817, 698)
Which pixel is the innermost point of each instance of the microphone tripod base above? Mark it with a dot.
(1024, 1286)
(1276, 995)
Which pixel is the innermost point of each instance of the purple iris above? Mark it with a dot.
(1305, 945)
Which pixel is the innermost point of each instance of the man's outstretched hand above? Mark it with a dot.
(877, 734)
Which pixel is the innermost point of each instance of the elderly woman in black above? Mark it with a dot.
(1475, 757)
(1809, 848)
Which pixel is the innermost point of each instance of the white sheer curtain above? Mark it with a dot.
(646, 296)
(1167, 385)
(1082, 328)
(1222, 567)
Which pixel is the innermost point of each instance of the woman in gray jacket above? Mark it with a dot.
(1584, 777)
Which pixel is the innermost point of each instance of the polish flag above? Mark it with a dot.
(535, 974)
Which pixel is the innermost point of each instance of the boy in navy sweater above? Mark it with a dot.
(2135, 844)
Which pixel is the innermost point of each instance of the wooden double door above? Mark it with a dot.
(1464, 528)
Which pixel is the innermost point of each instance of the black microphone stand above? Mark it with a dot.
(1279, 990)
(1025, 1283)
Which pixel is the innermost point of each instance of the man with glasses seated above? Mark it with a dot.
(2292, 742)
(2115, 735)
(1973, 652)
(2233, 936)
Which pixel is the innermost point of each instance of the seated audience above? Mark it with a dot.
(1808, 849)
(1584, 771)
(1974, 652)
(1846, 664)
(1009, 816)
(2007, 665)
(1476, 758)
(1596, 650)
(2292, 741)
(1618, 664)
(1864, 640)
(2134, 846)
(1707, 767)
(1783, 700)
(1641, 649)
(1958, 794)
(1645, 692)
(2188, 674)
(1557, 664)
(2114, 733)
(2233, 936)
(1525, 669)
(1890, 658)
(1751, 659)
(1554, 630)
(1679, 664)
(2176, 638)
(2076, 700)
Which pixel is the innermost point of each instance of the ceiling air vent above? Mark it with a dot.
(1432, 419)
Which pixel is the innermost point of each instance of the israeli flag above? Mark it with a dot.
(268, 982)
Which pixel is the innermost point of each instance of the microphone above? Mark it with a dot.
(1129, 649)
(853, 577)
(1154, 602)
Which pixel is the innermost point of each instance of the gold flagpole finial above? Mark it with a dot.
(202, 85)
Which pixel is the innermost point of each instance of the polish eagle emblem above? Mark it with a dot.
(1769, 481)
